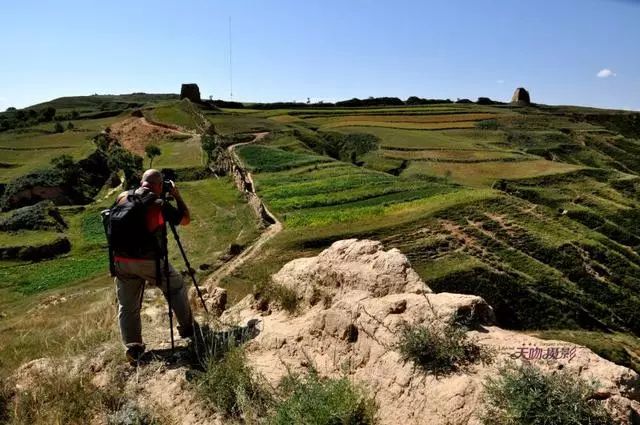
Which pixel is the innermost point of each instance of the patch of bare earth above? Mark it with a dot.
(136, 133)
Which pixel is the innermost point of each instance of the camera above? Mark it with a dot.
(167, 185)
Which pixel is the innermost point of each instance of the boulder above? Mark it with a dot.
(521, 97)
(373, 294)
(191, 92)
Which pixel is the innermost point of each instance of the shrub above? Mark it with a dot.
(58, 128)
(231, 387)
(347, 147)
(210, 144)
(70, 126)
(285, 297)
(440, 348)
(312, 400)
(523, 395)
(131, 414)
(487, 125)
(485, 101)
(152, 151)
(42, 216)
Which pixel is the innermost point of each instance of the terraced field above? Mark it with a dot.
(535, 209)
(22, 151)
(536, 215)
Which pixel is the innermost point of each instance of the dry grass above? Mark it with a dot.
(57, 328)
(485, 173)
(451, 154)
(403, 125)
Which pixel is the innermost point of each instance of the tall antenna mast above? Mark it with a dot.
(230, 63)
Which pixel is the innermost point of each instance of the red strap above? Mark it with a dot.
(130, 260)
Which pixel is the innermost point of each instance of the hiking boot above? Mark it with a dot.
(134, 354)
(189, 332)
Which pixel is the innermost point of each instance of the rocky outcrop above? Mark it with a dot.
(354, 299)
(521, 97)
(190, 91)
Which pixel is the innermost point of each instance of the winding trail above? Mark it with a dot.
(244, 183)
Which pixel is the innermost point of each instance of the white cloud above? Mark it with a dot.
(606, 73)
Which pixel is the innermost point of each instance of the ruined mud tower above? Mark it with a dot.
(190, 91)
(521, 97)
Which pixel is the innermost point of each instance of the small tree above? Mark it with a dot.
(58, 128)
(209, 145)
(152, 151)
(70, 126)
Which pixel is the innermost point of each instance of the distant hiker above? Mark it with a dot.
(136, 243)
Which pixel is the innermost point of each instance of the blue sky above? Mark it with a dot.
(325, 50)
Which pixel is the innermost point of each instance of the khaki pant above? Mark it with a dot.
(130, 279)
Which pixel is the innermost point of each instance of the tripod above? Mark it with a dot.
(165, 256)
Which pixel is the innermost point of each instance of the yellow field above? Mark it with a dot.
(484, 174)
(453, 155)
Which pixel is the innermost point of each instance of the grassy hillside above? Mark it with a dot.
(535, 209)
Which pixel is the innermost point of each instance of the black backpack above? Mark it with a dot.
(126, 226)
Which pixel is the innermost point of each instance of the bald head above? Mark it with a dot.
(151, 176)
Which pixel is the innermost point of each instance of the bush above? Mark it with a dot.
(131, 414)
(487, 125)
(283, 296)
(440, 348)
(152, 151)
(523, 395)
(312, 400)
(485, 101)
(210, 143)
(58, 128)
(41, 216)
(346, 147)
(231, 387)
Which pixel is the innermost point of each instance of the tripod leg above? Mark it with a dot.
(186, 262)
(167, 276)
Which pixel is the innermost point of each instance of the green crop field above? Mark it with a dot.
(182, 114)
(181, 153)
(25, 150)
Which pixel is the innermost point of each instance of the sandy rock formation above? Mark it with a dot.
(191, 92)
(369, 294)
(521, 97)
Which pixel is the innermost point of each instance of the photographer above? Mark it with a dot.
(139, 258)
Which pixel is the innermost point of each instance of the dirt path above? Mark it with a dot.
(244, 182)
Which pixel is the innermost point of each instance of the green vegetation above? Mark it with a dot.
(181, 114)
(61, 397)
(534, 209)
(313, 400)
(486, 173)
(266, 159)
(619, 348)
(524, 395)
(231, 387)
(551, 246)
(439, 349)
(151, 151)
(178, 154)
